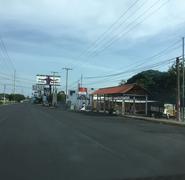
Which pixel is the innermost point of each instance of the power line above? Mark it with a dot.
(116, 37)
(4, 63)
(8, 60)
(149, 58)
(107, 78)
(117, 28)
(161, 54)
(156, 55)
(7, 84)
(112, 26)
(23, 79)
(73, 83)
(173, 46)
(4, 49)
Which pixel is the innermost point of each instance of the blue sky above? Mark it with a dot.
(47, 35)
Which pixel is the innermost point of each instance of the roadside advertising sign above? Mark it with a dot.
(82, 91)
(48, 80)
(38, 87)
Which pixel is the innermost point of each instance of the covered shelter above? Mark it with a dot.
(123, 99)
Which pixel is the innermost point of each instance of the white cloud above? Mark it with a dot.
(89, 16)
(67, 27)
(161, 19)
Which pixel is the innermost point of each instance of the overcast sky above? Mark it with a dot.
(93, 37)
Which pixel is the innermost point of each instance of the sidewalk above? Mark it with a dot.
(157, 120)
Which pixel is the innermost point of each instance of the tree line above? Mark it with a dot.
(160, 85)
(13, 97)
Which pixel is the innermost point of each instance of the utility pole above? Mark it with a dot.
(178, 89)
(54, 85)
(183, 79)
(81, 79)
(4, 99)
(67, 71)
(14, 76)
(54, 100)
(78, 86)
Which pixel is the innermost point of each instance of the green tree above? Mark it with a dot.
(2, 96)
(16, 97)
(161, 85)
(61, 96)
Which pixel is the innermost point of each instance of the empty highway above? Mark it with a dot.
(41, 143)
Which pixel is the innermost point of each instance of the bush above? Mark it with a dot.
(16, 97)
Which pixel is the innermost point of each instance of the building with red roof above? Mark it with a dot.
(123, 99)
(122, 89)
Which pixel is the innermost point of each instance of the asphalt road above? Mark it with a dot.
(39, 143)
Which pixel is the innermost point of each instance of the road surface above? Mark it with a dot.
(40, 143)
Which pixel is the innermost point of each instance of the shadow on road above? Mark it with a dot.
(172, 177)
(90, 113)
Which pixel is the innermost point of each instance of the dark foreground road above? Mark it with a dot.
(38, 143)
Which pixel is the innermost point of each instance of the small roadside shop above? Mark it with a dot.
(123, 99)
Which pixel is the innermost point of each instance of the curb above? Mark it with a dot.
(4, 105)
(169, 122)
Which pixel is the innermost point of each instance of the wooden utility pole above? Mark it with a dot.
(54, 99)
(178, 90)
(54, 84)
(4, 99)
(67, 71)
(14, 77)
(146, 105)
(81, 79)
(183, 79)
(123, 105)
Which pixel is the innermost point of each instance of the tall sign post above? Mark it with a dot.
(49, 80)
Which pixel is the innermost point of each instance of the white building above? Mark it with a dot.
(80, 99)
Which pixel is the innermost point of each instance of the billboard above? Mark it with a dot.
(38, 87)
(48, 80)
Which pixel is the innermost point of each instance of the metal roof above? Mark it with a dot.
(122, 89)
